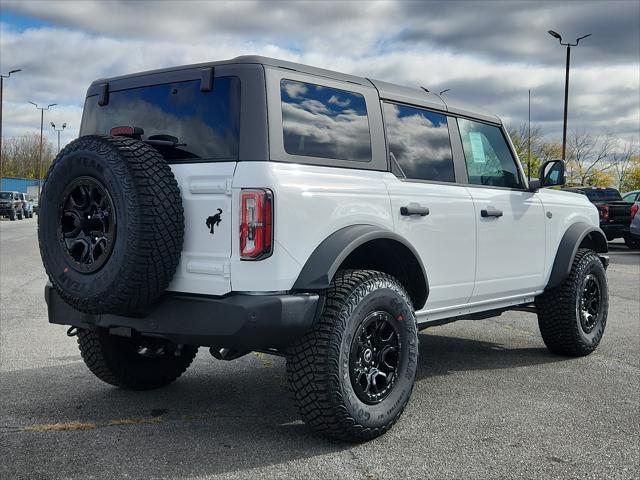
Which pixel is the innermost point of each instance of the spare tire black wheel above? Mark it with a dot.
(111, 226)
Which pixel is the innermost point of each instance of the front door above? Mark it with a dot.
(509, 220)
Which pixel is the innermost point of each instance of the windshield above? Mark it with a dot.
(178, 119)
(5, 195)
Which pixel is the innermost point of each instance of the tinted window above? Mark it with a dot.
(319, 121)
(419, 144)
(602, 194)
(488, 158)
(5, 195)
(177, 118)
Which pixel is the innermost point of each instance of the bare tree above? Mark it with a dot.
(622, 161)
(587, 155)
(20, 155)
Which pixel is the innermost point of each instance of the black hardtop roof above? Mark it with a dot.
(387, 91)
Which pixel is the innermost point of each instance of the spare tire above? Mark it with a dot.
(111, 224)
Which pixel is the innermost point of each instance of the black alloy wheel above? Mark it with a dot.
(373, 362)
(87, 227)
(589, 303)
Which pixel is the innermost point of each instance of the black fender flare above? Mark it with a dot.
(571, 241)
(321, 266)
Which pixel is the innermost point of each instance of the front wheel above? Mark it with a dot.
(352, 375)
(572, 317)
(133, 363)
(12, 215)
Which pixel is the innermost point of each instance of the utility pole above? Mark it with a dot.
(2, 77)
(529, 142)
(42, 109)
(566, 85)
(64, 125)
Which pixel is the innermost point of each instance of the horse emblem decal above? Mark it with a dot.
(214, 221)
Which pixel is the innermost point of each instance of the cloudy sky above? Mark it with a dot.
(487, 53)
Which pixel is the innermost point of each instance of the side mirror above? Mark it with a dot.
(551, 175)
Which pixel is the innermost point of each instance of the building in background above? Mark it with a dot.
(25, 185)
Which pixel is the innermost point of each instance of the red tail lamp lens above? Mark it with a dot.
(256, 224)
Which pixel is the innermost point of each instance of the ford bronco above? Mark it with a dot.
(260, 205)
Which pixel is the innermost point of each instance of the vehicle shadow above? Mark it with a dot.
(220, 417)
(441, 355)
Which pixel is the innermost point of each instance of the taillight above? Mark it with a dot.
(256, 224)
(634, 210)
(604, 212)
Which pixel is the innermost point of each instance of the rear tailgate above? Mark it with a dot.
(620, 212)
(206, 197)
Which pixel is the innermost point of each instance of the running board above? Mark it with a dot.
(475, 311)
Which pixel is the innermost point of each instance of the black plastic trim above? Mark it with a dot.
(206, 80)
(104, 94)
(327, 257)
(248, 322)
(568, 248)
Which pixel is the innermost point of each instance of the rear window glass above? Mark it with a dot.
(319, 121)
(181, 121)
(419, 144)
(600, 195)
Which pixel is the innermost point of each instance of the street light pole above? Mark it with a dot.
(64, 125)
(566, 85)
(42, 109)
(2, 77)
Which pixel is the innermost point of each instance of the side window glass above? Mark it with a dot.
(319, 121)
(419, 144)
(487, 155)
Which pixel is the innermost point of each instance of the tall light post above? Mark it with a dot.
(566, 85)
(42, 109)
(64, 125)
(2, 77)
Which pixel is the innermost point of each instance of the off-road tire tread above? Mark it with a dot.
(313, 361)
(556, 310)
(154, 241)
(116, 372)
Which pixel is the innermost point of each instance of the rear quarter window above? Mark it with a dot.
(181, 121)
(325, 122)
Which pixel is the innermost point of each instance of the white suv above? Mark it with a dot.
(260, 205)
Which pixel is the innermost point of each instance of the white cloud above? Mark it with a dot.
(437, 45)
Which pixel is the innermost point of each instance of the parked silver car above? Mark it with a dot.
(634, 228)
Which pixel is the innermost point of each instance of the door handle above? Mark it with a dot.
(414, 209)
(490, 212)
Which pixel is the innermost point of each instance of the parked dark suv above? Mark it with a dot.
(10, 205)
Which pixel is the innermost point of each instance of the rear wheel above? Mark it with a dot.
(352, 375)
(133, 363)
(20, 215)
(573, 316)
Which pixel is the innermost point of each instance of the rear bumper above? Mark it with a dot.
(247, 322)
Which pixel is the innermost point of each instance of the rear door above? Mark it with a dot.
(429, 209)
(193, 118)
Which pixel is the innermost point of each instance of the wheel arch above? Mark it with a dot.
(365, 247)
(578, 235)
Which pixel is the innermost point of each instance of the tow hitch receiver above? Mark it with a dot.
(227, 353)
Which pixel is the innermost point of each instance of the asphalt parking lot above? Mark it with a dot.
(489, 402)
